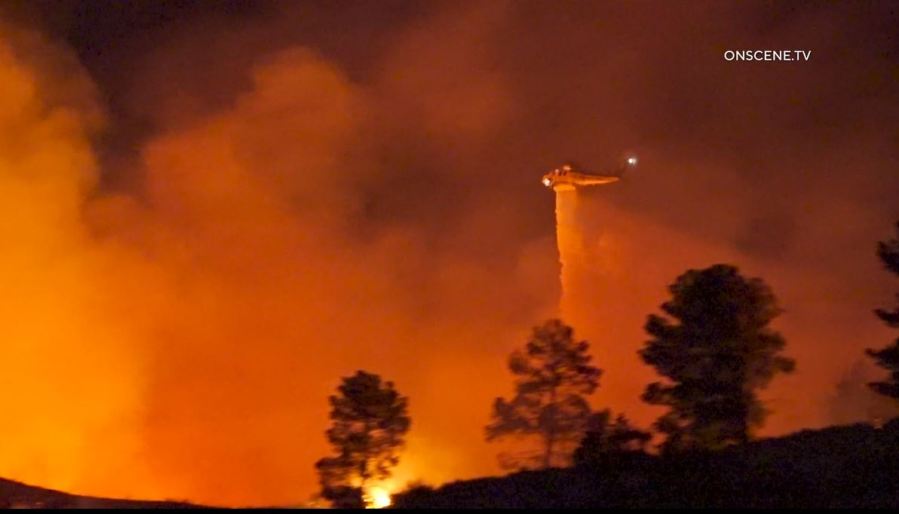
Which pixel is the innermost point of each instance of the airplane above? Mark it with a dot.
(568, 178)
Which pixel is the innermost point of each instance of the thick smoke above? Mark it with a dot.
(275, 202)
(247, 276)
(73, 368)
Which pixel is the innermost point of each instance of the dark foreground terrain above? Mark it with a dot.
(836, 467)
(846, 466)
(16, 495)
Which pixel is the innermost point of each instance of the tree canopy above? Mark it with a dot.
(369, 421)
(716, 350)
(553, 377)
(607, 439)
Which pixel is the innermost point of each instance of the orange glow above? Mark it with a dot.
(181, 342)
(178, 338)
(377, 498)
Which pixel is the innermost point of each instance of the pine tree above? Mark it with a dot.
(553, 378)
(369, 422)
(715, 354)
(888, 357)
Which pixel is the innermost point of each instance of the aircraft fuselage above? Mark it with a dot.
(565, 178)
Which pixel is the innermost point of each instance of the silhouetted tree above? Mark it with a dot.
(606, 439)
(716, 355)
(553, 376)
(888, 358)
(368, 424)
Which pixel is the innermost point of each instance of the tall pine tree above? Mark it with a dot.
(553, 377)
(369, 422)
(888, 358)
(715, 350)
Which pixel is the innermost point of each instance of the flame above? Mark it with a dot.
(377, 498)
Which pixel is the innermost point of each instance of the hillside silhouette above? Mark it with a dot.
(851, 466)
(16, 495)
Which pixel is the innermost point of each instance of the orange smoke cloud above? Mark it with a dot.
(72, 373)
(203, 320)
(272, 300)
(826, 328)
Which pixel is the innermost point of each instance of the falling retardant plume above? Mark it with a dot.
(208, 221)
(570, 248)
(578, 261)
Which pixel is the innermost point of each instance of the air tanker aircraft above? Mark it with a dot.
(568, 178)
